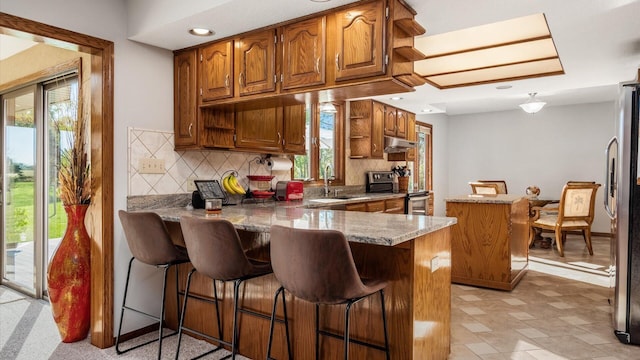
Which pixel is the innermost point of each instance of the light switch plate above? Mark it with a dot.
(151, 166)
(191, 185)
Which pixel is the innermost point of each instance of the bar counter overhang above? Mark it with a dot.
(413, 252)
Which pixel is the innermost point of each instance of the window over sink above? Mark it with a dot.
(324, 146)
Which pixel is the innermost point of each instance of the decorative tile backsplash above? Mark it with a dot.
(184, 166)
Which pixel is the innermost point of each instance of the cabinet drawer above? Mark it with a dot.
(394, 206)
(356, 207)
(375, 206)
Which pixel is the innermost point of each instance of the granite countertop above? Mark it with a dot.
(486, 198)
(370, 228)
(323, 202)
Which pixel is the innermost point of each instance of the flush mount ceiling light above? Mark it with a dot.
(328, 108)
(514, 49)
(533, 105)
(201, 32)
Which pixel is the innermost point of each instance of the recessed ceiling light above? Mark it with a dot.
(320, 0)
(427, 110)
(201, 32)
(503, 87)
(396, 98)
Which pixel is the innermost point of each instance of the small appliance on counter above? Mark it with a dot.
(289, 190)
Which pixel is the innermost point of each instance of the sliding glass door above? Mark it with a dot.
(35, 122)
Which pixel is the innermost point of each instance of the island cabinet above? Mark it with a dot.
(489, 245)
(303, 53)
(278, 129)
(256, 62)
(185, 110)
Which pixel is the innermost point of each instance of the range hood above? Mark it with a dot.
(397, 145)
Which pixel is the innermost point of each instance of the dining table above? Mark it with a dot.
(536, 205)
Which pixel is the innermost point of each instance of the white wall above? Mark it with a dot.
(547, 149)
(143, 98)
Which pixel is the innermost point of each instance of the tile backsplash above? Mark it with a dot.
(183, 166)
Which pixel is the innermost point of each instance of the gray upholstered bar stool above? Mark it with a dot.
(317, 266)
(216, 252)
(150, 243)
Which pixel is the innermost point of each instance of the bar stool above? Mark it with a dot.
(216, 252)
(149, 243)
(317, 266)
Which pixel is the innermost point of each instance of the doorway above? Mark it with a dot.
(35, 121)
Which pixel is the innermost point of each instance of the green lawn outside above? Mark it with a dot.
(20, 216)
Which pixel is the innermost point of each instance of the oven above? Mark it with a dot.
(415, 202)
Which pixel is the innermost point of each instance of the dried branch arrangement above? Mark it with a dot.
(74, 173)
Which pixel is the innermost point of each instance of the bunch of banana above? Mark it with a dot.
(230, 184)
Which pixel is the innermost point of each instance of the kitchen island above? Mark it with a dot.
(490, 242)
(412, 252)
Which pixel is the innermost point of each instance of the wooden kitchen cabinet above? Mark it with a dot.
(216, 71)
(303, 53)
(185, 100)
(366, 119)
(409, 155)
(395, 122)
(259, 129)
(256, 62)
(394, 206)
(218, 128)
(274, 130)
(360, 32)
(294, 129)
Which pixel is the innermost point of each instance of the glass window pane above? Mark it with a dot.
(302, 163)
(327, 142)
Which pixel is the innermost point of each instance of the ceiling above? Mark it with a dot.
(598, 42)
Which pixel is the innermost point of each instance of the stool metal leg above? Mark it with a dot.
(317, 331)
(273, 320)
(124, 302)
(184, 311)
(164, 295)
(234, 336)
(346, 329)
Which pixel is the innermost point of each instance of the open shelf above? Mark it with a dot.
(410, 27)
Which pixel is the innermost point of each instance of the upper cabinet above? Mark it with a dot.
(216, 71)
(360, 42)
(303, 53)
(357, 50)
(185, 107)
(256, 62)
(395, 122)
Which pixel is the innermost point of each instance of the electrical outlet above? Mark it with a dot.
(151, 166)
(435, 264)
(191, 186)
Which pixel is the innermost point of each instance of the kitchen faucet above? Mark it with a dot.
(327, 179)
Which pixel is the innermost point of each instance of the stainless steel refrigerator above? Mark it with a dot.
(622, 202)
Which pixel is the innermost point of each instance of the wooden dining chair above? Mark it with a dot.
(502, 185)
(575, 212)
(482, 188)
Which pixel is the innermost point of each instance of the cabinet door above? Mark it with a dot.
(185, 99)
(394, 206)
(375, 206)
(256, 62)
(216, 71)
(401, 124)
(377, 133)
(389, 121)
(411, 135)
(360, 41)
(294, 120)
(303, 49)
(259, 129)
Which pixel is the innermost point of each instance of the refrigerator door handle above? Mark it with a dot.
(610, 178)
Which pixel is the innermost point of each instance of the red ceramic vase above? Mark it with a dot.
(69, 278)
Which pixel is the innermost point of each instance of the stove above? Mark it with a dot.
(415, 202)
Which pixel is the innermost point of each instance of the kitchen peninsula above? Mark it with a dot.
(412, 252)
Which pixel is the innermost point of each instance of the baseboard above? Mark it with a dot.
(137, 333)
